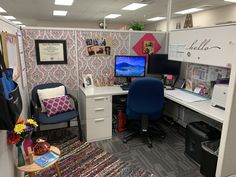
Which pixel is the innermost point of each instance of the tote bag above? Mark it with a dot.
(10, 98)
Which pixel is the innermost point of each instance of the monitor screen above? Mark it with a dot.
(130, 66)
(159, 64)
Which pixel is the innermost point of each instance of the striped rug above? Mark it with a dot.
(86, 160)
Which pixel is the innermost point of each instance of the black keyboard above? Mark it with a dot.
(124, 87)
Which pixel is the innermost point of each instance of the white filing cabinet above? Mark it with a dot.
(96, 115)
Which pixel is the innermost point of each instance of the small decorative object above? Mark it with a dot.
(148, 47)
(189, 85)
(110, 78)
(21, 130)
(27, 143)
(30, 155)
(136, 26)
(41, 147)
(200, 89)
(188, 21)
(88, 81)
(178, 25)
(98, 46)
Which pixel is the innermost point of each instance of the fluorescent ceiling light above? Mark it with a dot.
(134, 6)
(9, 17)
(112, 16)
(156, 18)
(17, 22)
(230, 1)
(64, 2)
(22, 25)
(188, 11)
(2, 10)
(59, 13)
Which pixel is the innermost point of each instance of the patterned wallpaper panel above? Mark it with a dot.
(79, 62)
(38, 74)
(101, 67)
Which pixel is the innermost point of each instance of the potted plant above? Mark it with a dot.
(136, 26)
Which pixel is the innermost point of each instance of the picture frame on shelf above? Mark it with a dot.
(51, 52)
(88, 81)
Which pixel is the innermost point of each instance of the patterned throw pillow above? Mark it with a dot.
(57, 105)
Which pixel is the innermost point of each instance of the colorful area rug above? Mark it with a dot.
(86, 160)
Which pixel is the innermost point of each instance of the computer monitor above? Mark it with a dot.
(130, 66)
(159, 64)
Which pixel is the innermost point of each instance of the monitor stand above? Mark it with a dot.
(129, 80)
(125, 86)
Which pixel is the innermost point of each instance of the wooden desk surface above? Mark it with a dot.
(34, 167)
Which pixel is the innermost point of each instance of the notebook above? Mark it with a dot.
(46, 159)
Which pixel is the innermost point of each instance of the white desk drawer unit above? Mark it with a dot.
(96, 116)
(98, 107)
(99, 129)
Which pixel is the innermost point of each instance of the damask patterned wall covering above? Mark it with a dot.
(38, 74)
(79, 62)
(101, 67)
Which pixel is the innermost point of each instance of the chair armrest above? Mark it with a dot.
(35, 109)
(74, 99)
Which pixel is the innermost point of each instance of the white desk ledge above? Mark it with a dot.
(107, 90)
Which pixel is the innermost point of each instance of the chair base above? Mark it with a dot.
(80, 135)
(147, 135)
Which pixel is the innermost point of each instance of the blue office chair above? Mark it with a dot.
(144, 104)
(42, 117)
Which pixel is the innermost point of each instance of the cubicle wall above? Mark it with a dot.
(213, 46)
(100, 66)
(38, 74)
(80, 62)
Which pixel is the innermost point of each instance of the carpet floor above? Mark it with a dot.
(82, 159)
(165, 159)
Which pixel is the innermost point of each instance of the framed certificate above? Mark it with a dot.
(51, 52)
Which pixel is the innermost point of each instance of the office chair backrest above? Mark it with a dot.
(35, 97)
(146, 96)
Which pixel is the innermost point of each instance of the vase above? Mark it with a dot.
(41, 147)
(27, 143)
(21, 160)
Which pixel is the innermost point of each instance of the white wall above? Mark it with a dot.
(8, 152)
(200, 19)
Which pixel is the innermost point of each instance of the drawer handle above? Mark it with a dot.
(99, 109)
(99, 98)
(99, 120)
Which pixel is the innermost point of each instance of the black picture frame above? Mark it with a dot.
(50, 52)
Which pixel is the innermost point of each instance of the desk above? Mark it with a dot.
(96, 110)
(202, 107)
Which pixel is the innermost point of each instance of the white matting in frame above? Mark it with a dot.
(88, 81)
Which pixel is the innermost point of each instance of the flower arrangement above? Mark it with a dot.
(22, 129)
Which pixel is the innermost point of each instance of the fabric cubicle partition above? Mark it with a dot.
(79, 62)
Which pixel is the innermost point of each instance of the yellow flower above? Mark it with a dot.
(19, 128)
(32, 122)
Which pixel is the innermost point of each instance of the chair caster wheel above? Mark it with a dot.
(124, 141)
(150, 145)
